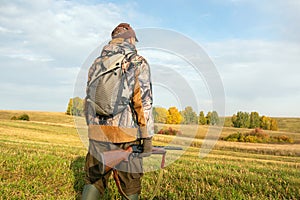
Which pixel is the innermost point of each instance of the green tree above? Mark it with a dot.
(75, 106)
(189, 116)
(173, 116)
(241, 120)
(214, 118)
(254, 120)
(234, 120)
(202, 119)
(208, 118)
(160, 114)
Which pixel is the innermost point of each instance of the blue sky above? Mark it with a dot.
(255, 46)
(211, 20)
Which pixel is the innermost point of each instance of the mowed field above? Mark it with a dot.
(44, 159)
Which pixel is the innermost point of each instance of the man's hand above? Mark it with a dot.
(147, 147)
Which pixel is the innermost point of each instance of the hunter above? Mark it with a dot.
(134, 125)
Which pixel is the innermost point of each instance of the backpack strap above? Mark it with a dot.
(119, 95)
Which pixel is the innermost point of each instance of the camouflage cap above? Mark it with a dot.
(123, 30)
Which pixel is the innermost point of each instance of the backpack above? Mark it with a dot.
(107, 91)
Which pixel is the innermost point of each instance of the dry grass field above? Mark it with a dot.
(43, 159)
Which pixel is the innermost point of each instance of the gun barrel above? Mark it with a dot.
(169, 147)
(158, 150)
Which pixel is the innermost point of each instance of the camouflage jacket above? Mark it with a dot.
(135, 121)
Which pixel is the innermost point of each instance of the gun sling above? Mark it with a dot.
(156, 150)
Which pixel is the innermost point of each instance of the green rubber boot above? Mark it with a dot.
(132, 197)
(90, 192)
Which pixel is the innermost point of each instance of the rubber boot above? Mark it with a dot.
(132, 197)
(90, 192)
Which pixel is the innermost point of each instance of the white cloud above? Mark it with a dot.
(43, 45)
(62, 30)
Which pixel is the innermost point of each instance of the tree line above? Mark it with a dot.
(161, 115)
(188, 116)
(253, 120)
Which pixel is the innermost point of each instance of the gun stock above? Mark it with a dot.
(114, 157)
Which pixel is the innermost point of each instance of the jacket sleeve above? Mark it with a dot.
(89, 111)
(142, 98)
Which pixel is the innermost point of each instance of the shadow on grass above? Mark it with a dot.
(77, 166)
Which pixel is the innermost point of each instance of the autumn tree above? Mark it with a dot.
(202, 119)
(173, 116)
(274, 125)
(189, 116)
(265, 122)
(160, 114)
(268, 123)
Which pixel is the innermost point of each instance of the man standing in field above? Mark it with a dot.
(130, 123)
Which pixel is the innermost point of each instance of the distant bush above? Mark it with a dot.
(282, 139)
(235, 137)
(169, 131)
(257, 136)
(24, 117)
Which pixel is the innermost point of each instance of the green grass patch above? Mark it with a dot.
(46, 161)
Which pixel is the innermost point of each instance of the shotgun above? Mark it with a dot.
(114, 157)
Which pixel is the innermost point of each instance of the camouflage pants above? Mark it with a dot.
(129, 173)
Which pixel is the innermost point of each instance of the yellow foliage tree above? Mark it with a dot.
(265, 122)
(160, 115)
(173, 116)
(274, 125)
